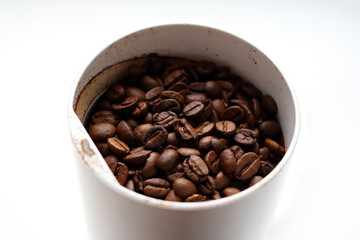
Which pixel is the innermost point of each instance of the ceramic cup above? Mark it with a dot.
(114, 212)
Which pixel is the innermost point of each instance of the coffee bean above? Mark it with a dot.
(115, 93)
(212, 161)
(173, 95)
(155, 137)
(168, 160)
(274, 147)
(181, 88)
(238, 151)
(249, 115)
(185, 131)
(204, 129)
(205, 143)
(218, 106)
(265, 168)
(166, 105)
(205, 68)
(216, 195)
(102, 131)
(156, 187)
(140, 110)
(256, 107)
(207, 187)
(103, 148)
(165, 119)
(255, 180)
(147, 82)
(130, 185)
(234, 114)
(131, 91)
(150, 169)
(175, 173)
(140, 132)
(269, 104)
(117, 146)
(111, 159)
(120, 171)
(104, 117)
(196, 169)
(184, 187)
(270, 129)
(227, 161)
(264, 152)
(104, 105)
(125, 133)
(230, 191)
(172, 139)
(137, 70)
(136, 158)
(245, 137)
(133, 123)
(196, 198)
(247, 166)
(171, 196)
(213, 89)
(208, 111)
(225, 128)
(187, 152)
(193, 109)
(127, 104)
(222, 180)
(227, 87)
(153, 93)
(195, 97)
(218, 145)
(138, 181)
(178, 75)
(197, 86)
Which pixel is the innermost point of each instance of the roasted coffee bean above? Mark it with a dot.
(187, 152)
(185, 131)
(234, 113)
(148, 118)
(137, 70)
(171, 196)
(125, 133)
(208, 110)
(222, 72)
(102, 131)
(120, 171)
(140, 110)
(178, 75)
(150, 169)
(264, 152)
(196, 198)
(218, 106)
(130, 185)
(227, 161)
(270, 129)
(207, 187)
(245, 137)
(136, 158)
(193, 109)
(238, 151)
(265, 168)
(184, 187)
(156, 187)
(204, 129)
(225, 128)
(103, 148)
(165, 119)
(274, 147)
(127, 104)
(197, 86)
(140, 132)
(230, 191)
(147, 82)
(156, 64)
(227, 87)
(138, 180)
(269, 104)
(168, 160)
(196, 169)
(111, 159)
(249, 115)
(133, 123)
(239, 101)
(222, 181)
(212, 161)
(247, 166)
(115, 93)
(117, 146)
(167, 105)
(104, 105)
(205, 143)
(256, 107)
(255, 180)
(172, 139)
(175, 173)
(205, 68)
(213, 89)
(131, 91)
(216, 195)
(251, 91)
(181, 88)
(155, 137)
(153, 93)
(218, 145)
(104, 117)
(173, 95)
(195, 97)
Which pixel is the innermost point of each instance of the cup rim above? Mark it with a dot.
(188, 206)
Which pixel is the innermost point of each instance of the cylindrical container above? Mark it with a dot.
(114, 212)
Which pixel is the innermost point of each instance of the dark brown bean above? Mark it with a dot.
(155, 137)
(204, 129)
(274, 147)
(222, 180)
(168, 160)
(196, 169)
(171, 196)
(117, 146)
(205, 68)
(264, 152)
(251, 91)
(120, 171)
(167, 105)
(184, 187)
(270, 129)
(207, 187)
(265, 168)
(103, 148)
(111, 159)
(127, 104)
(102, 131)
(147, 82)
(105, 117)
(150, 169)
(125, 133)
(185, 131)
(269, 104)
(140, 110)
(173, 95)
(115, 93)
(245, 137)
(218, 106)
(213, 89)
(187, 152)
(255, 180)
(175, 173)
(230, 191)
(153, 93)
(165, 119)
(193, 109)
(212, 161)
(195, 97)
(249, 115)
(196, 198)
(131, 91)
(140, 132)
(156, 187)
(225, 128)
(227, 161)
(247, 166)
(172, 139)
(136, 158)
(178, 75)
(234, 114)
(130, 185)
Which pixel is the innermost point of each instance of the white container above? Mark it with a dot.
(114, 212)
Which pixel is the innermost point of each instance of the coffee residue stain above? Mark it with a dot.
(85, 146)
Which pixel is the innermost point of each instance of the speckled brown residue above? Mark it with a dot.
(85, 146)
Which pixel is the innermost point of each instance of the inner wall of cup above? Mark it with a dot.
(192, 42)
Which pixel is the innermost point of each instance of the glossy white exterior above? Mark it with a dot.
(114, 212)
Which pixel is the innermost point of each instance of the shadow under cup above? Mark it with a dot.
(114, 212)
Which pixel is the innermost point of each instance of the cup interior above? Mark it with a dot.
(184, 41)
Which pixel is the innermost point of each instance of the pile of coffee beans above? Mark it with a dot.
(184, 130)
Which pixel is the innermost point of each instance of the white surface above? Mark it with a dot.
(45, 46)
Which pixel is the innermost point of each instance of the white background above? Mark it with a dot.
(45, 46)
